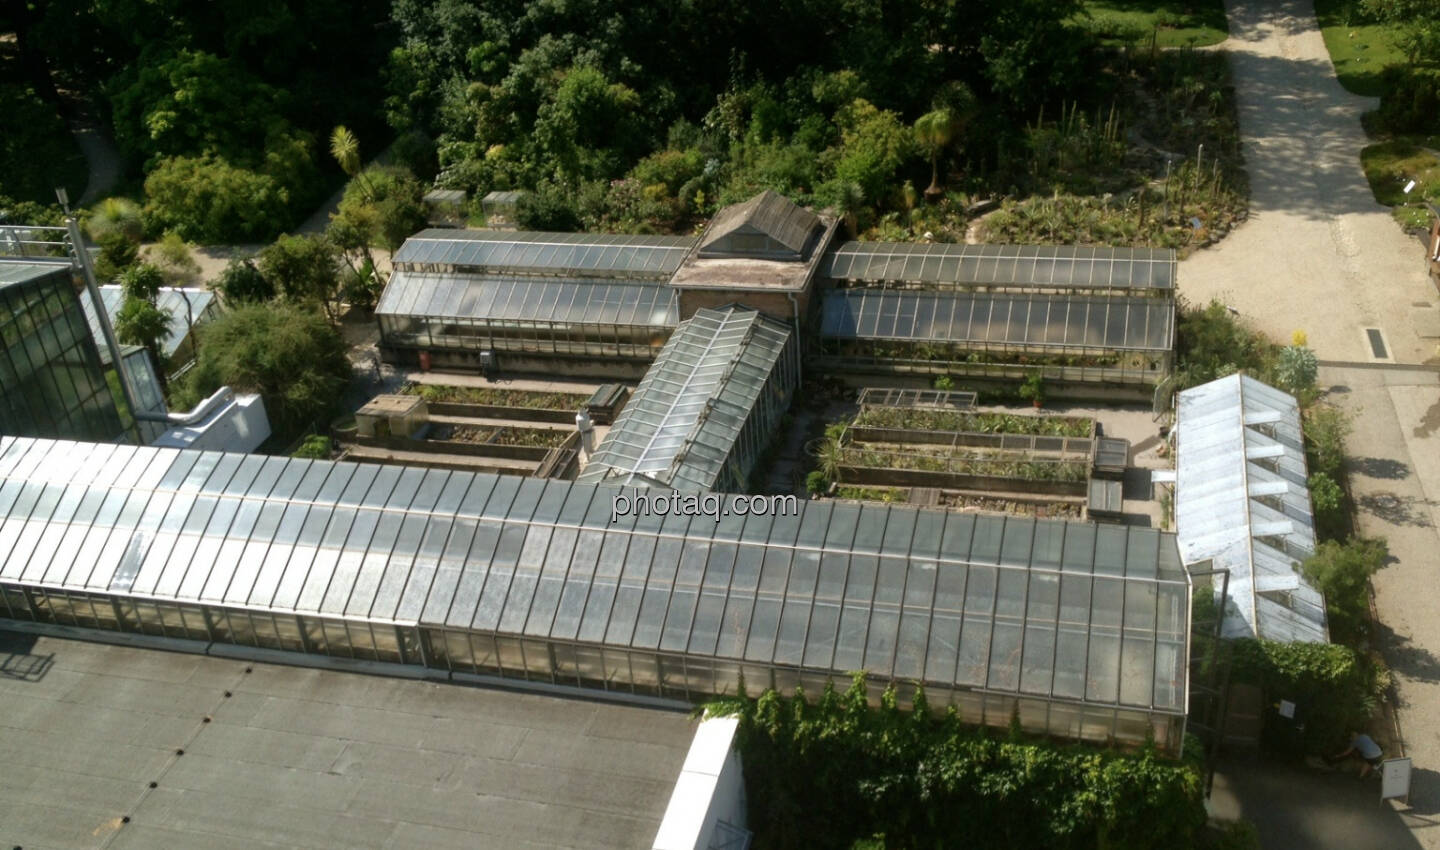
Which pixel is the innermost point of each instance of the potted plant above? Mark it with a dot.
(1033, 388)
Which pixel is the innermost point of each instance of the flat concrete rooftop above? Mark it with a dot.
(297, 757)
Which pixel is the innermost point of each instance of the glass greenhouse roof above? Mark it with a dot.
(1053, 266)
(1094, 614)
(1242, 503)
(680, 425)
(1041, 321)
(171, 299)
(579, 254)
(529, 299)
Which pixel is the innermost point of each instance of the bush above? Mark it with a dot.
(549, 207)
(289, 355)
(315, 446)
(241, 281)
(1211, 343)
(117, 253)
(206, 199)
(1333, 687)
(834, 772)
(1326, 427)
(303, 269)
(1342, 572)
(1411, 102)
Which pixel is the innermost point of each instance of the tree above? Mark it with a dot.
(287, 353)
(935, 130)
(873, 147)
(303, 269)
(140, 321)
(208, 200)
(241, 282)
(1342, 572)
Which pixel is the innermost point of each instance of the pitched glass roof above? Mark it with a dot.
(680, 425)
(171, 299)
(12, 272)
(579, 254)
(1052, 266)
(1064, 611)
(1241, 502)
(530, 299)
(1049, 321)
(788, 226)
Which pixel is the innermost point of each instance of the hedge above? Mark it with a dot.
(836, 772)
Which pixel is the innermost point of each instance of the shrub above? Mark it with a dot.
(206, 199)
(241, 281)
(303, 269)
(1296, 369)
(117, 253)
(1333, 687)
(315, 446)
(831, 773)
(1342, 572)
(288, 354)
(1411, 102)
(1328, 501)
(1326, 427)
(1212, 343)
(549, 207)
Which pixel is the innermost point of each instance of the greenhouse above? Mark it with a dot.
(586, 255)
(1242, 504)
(1046, 267)
(547, 315)
(708, 406)
(1066, 337)
(1073, 629)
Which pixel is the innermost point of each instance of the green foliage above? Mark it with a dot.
(115, 215)
(384, 203)
(208, 200)
(1033, 388)
(816, 482)
(37, 152)
(1411, 103)
(1342, 572)
(837, 772)
(1334, 687)
(1326, 427)
(1211, 343)
(142, 281)
(175, 258)
(1296, 369)
(1327, 499)
(547, 208)
(193, 103)
(315, 447)
(944, 383)
(287, 353)
(304, 269)
(117, 253)
(874, 144)
(240, 281)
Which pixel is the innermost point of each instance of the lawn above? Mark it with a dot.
(1359, 50)
(1390, 165)
(1174, 23)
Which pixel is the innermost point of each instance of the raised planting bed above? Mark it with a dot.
(499, 436)
(873, 494)
(919, 419)
(499, 403)
(962, 468)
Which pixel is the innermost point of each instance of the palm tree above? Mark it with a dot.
(938, 129)
(346, 150)
(935, 130)
(850, 200)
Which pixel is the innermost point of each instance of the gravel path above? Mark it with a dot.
(1319, 254)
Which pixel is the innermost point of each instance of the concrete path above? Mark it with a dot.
(1319, 254)
(102, 159)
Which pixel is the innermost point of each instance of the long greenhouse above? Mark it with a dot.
(1242, 504)
(1077, 338)
(1077, 630)
(1056, 268)
(707, 408)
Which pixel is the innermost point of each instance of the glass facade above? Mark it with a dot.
(707, 408)
(50, 371)
(1079, 630)
(1044, 267)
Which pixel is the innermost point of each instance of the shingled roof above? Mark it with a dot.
(768, 226)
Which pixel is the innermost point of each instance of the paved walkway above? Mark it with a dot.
(1319, 254)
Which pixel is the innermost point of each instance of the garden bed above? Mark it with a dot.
(499, 403)
(982, 423)
(499, 435)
